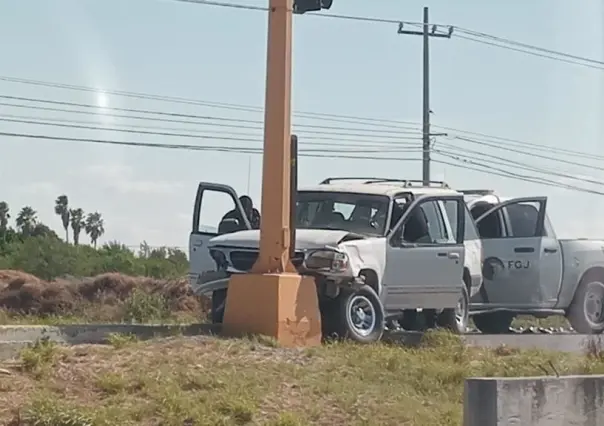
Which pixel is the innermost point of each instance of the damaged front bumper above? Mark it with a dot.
(327, 265)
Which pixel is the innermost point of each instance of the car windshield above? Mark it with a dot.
(359, 213)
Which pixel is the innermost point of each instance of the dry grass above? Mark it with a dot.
(210, 381)
(106, 298)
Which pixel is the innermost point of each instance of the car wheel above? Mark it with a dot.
(456, 319)
(218, 304)
(361, 315)
(586, 312)
(493, 322)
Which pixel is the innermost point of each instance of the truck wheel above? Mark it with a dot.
(586, 312)
(218, 304)
(493, 322)
(456, 319)
(360, 315)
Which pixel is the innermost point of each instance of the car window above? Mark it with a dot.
(425, 225)
(490, 226)
(523, 219)
(359, 213)
(470, 231)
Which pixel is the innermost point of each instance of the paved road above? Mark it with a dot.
(13, 338)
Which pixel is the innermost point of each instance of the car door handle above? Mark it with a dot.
(449, 255)
(524, 249)
(550, 250)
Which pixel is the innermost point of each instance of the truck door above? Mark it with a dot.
(424, 261)
(513, 265)
(212, 202)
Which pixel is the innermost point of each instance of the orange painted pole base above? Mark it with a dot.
(284, 306)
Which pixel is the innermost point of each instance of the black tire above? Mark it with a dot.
(456, 319)
(218, 304)
(588, 295)
(346, 325)
(493, 322)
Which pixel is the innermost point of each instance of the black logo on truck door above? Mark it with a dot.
(519, 264)
(494, 267)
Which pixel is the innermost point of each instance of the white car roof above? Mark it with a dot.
(379, 188)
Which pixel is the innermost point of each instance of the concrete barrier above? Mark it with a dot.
(534, 401)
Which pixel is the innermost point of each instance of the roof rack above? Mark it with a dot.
(477, 191)
(405, 182)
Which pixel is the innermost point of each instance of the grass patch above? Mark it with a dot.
(211, 381)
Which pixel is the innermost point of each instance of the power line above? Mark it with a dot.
(383, 146)
(528, 46)
(532, 154)
(165, 131)
(316, 153)
(381, 123)
(471, 35)
(216, 148)
(532, 53)
(168, 120)
(468, 164)
(178, 114)
(519, 165)
(369, 121)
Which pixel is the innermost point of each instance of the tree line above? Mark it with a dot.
(33, 247)
(27, 223)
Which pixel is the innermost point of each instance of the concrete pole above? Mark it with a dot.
(274, 299)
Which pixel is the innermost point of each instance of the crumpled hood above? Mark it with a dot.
(305, 238)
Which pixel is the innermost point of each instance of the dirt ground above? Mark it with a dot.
(26, 295)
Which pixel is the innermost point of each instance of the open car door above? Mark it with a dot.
(514, 237)
(212, 202)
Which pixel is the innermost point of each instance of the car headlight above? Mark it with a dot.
(326, 260)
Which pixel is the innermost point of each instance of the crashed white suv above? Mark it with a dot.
(379, 249)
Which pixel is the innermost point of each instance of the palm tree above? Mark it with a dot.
(26, 220)
(62, 210)
(77, 224)
(4, 216)
(94, 227)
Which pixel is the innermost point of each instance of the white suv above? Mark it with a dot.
(379, 249)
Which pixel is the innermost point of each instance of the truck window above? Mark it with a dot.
(434, 220)
(470, 232)
(490, 226)
(213, 207)
(523, 219)
(451, 209)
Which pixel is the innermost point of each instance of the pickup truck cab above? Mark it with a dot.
(529, 271)
(378, 248)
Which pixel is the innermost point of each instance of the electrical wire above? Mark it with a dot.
(219, 105)
(523, 166)
(368, 121)
(528, 46)
(469, 164)
(471, 35)
(216, 148)
(192, 133)
(531, 154)
(314, 153)
(182, 115)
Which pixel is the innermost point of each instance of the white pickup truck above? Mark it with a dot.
(528, 271)
(379, 249)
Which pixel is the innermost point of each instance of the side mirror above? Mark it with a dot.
(228, 226)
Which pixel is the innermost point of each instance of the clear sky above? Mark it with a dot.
(340, 67)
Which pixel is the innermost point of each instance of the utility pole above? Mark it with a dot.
(426, 33)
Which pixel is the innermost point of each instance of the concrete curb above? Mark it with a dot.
(98, 333)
